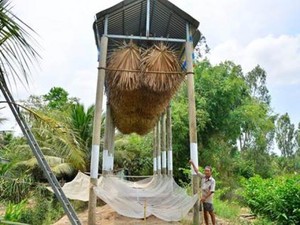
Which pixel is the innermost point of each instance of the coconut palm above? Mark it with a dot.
(81, 121)
(56, 137)
(17, 53)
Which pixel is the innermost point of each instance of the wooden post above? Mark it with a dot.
(169, 141)
(108, 147)
(97, 133)
(154, 145)
(163, 144)
(158, 152)
(192, 119)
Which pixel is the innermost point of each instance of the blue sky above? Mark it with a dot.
(248, 32)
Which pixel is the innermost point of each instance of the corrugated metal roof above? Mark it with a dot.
(129, 18)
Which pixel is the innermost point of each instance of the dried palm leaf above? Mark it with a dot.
(138, 99)
(161, 69)
(123, 67)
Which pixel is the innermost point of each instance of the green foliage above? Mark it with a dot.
(277, 199)
(16, 45)
(262, 221)
(285, 136)
(5, 137)
(14, 189)
(226, 209)
(14, 211)
(81, 121)
(133, 153)
(57, 98)
(4, 167)
(44, 208)
(256, 80)
(234, 122)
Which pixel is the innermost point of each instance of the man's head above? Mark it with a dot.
(207, 171)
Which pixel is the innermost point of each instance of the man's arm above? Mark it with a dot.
(194, 167)
(205, 197)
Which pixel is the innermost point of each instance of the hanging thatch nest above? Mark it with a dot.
(132, 122)
(161, 77)
(121, 66)
(163, 62)
(140, 87)
(128, 113)
(154, 103)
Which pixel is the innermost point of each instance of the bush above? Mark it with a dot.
(277, 199)
(44, 208)
(15, 189)
(14, 211)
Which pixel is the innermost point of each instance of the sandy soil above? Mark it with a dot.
(107, 216)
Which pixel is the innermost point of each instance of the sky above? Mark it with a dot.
(248, 32)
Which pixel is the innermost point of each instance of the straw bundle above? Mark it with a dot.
(134, 123)
(155, 103)
(127, 112)
(123, 82)
(161, 78)
(164, 61)
(126, 57)
(140, 86)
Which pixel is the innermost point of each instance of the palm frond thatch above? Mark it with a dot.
(138, 99)
(165, 62)
(126, 57)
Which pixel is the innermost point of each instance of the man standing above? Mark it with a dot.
(208, 184)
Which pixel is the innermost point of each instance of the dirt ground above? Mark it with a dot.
(107, 216)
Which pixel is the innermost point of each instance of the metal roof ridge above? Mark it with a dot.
(167, 3)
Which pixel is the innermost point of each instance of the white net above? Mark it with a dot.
(158, 195)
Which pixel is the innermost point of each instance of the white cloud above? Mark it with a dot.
(279, 56)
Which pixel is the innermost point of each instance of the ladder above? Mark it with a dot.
(69, 210)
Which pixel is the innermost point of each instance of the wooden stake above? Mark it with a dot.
(154, 146)
(158, 156)
(163, 144)
(108, 147)
(145, 210)
(169, 141)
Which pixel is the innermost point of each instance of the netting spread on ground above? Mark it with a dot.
(158, 195)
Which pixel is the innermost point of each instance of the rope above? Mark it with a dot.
(134, 71)
(187, 73)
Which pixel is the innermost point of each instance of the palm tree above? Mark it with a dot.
(81, 121)
(56, 137)
(17, 53)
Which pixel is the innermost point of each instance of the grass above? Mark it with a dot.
(226, 210)
(231, 212)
